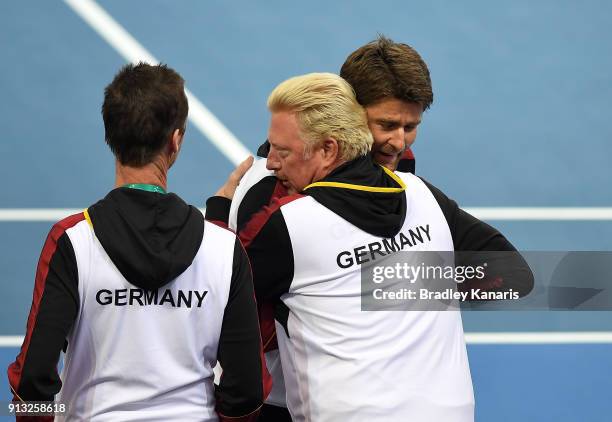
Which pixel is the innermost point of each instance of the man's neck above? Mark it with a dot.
(324, 172)
(154, 173)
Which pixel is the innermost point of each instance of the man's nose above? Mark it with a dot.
(272, 163)
(397, 139)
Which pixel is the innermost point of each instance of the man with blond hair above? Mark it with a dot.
(391, 81)
(340, 363)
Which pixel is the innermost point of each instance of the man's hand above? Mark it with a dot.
(229, 187)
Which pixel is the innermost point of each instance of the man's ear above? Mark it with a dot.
(176, 140)
(174, 145)
(330, 150)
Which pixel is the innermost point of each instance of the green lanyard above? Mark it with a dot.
(148, 188)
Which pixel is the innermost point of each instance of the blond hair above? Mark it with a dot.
(325, 107)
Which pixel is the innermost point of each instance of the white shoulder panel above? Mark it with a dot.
(257, 172)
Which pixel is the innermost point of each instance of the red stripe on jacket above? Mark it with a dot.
(260, 218)
(16, 368)
(407, 155)
(247, 234)
(265, 374)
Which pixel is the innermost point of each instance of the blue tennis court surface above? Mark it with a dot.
(520, 119)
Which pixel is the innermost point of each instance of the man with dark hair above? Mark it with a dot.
(338, 362)
(158, 116)
(383, 69)
(392, 82)
(141, 293)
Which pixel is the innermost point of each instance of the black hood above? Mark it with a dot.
(365, 195)
(150, 237)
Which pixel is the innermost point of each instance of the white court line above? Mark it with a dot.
(128, 47)
(542, 213)
(36, 214)
(43, 214)
(11, 341)
(580, 337)
(484, 213)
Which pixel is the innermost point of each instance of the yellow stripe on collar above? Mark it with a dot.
(394, 176)
(86, 214)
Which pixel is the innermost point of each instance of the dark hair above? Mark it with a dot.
(383, 69)
(143, 106)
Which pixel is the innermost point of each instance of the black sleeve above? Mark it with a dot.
(55, 305)
(406, 165)
(218, 209)
(257, 197)
(506, 270)
(241, 390)
(469, 233)
(271, 258)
